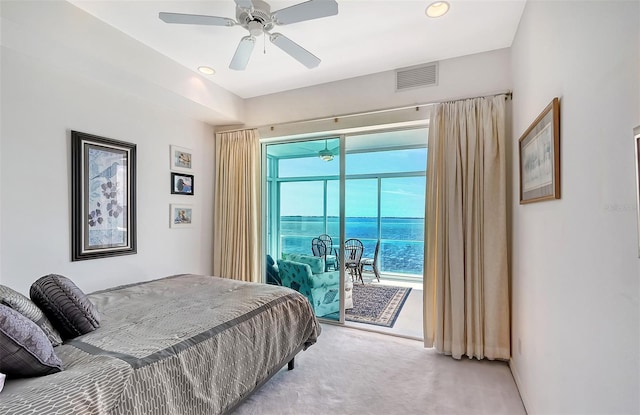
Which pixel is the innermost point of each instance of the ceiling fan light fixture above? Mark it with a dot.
(255, 28)
(206, 70)
(325, 155)
(437, 9)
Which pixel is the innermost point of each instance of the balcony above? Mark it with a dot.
(401, 257)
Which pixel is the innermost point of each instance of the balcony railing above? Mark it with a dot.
(403, 257)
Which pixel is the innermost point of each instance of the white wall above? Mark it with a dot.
(41, 103)
(66, 37)
(575, 260)
(473, 75)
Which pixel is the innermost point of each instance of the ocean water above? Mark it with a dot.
(401, 243)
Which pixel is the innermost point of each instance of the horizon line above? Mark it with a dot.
(361, 217)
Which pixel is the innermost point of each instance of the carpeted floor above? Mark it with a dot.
(352, 371)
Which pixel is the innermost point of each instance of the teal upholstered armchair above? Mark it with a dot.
(305, 274)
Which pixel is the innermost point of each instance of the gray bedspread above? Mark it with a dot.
(180, 345)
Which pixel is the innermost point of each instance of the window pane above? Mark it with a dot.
(403, 197)
(402, 205)
(361, 209)
(333, 210)
(308, 167)
(387, 152)
(303, 159)
(393, 161)
(301, 215)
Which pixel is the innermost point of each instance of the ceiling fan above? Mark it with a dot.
(257, 18)
(326, 154)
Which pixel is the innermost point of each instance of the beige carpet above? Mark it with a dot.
(352, 371)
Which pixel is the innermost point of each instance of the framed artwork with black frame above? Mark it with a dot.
(181, 184)
(540, 157)
(103, 197)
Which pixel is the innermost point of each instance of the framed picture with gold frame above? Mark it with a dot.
(636, 136)
(539, 157)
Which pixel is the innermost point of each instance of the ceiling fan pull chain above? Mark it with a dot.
(264, 41)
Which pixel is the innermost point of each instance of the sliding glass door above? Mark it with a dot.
(302, 204)
(385, 198)
(382, 179)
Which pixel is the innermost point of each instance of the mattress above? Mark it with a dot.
(186, 344)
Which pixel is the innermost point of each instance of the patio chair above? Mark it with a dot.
(329, 242)
(353, 250)
(371, 262)
(320, 249)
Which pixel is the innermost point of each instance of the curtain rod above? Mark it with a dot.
(334, 118)
(508, 95)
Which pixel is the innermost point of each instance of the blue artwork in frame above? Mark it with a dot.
(181, 184)
(103, 197)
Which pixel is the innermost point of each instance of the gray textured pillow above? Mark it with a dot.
(25, 350)
(66, 306)
(27, 308)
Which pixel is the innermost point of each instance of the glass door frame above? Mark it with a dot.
(270, 206)
(274, 210)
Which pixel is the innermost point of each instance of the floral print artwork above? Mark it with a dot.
(107, 189)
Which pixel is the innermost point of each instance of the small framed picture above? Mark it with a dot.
(181, 216)
(181, 159)
(181, 184)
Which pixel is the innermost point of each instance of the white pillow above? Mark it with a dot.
(2, 376)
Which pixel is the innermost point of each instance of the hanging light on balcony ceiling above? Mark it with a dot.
(326, 154)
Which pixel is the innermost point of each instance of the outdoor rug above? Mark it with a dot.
(376, 304)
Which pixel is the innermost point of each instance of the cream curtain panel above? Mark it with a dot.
(236, 216)
(466, 292)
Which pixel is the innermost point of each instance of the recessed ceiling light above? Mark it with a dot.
(206, 70)
(437, 9)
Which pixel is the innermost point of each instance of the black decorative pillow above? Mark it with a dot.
(25, 349)
(68, 308)
(27, 308)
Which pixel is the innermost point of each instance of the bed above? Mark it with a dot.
(185, 344)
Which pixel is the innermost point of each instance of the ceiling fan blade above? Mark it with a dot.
(180, 18)
(244, 4)
(309, 10)
(243, 53)
(296, 51)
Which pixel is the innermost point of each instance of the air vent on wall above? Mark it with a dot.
(417, 76)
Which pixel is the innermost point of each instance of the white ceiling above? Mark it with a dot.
(367, 36)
